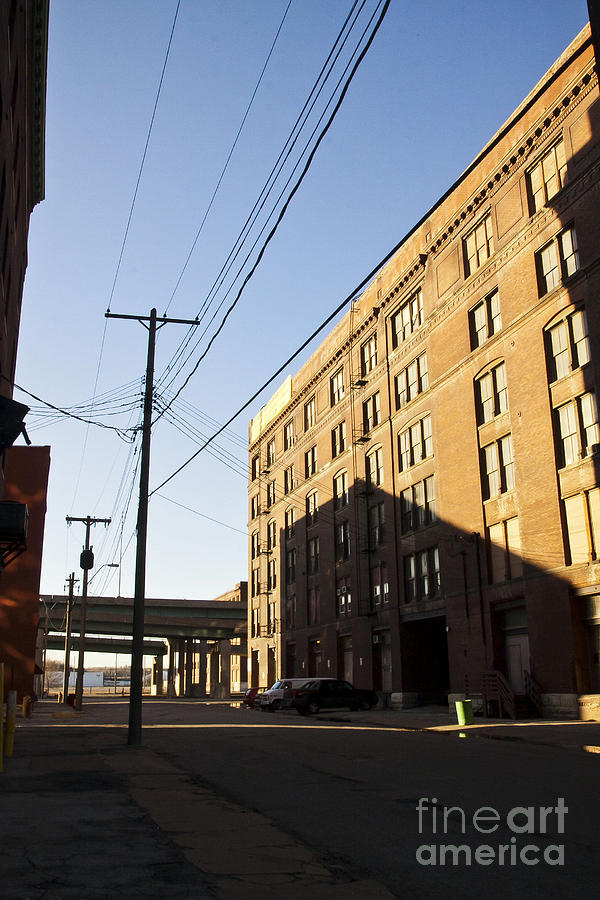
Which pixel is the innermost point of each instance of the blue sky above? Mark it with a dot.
(438, 81)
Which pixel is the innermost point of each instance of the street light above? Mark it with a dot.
(103, 566)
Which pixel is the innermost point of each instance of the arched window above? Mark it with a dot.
(340, 489)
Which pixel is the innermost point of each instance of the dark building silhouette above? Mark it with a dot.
(424, 500)
(23, 470)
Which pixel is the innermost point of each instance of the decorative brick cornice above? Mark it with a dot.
(535, 137)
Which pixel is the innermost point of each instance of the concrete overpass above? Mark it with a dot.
(164, 618)
(187, 625)
(105, 645)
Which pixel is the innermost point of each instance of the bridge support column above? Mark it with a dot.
(200, 669)
(180, 679)
(171, 670)
(156, 687)
(189, 667)
(225, 669)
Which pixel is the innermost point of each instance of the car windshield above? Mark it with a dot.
(277, 685)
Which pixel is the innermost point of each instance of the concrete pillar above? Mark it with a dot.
(181, 667)
(200, 661)
(225, 673)
(171, 692)
(189, 667)
(156, 686)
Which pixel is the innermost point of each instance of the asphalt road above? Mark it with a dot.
(352, 794)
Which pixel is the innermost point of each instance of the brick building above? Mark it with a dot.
(424, 500)
(23, 470)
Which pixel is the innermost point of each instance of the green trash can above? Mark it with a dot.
(464, 712)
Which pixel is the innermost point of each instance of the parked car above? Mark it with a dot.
(281, 694)
(250, 696)
(330, 693)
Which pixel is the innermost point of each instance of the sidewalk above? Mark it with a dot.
(85, 816)
(567, 734)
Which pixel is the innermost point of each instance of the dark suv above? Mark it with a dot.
(332, 694)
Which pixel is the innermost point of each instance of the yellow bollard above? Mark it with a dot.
(11, 723)
(27, 707)
(1, 716)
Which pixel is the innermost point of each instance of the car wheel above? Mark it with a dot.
(313, 707)
(301, 710)
(276, 705)
(364, 704)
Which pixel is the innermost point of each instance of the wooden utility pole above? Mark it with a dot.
(86, 562)
(134, 735)
(67, 665)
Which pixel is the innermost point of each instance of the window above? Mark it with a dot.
(368, 355)
(290, 522)
(270, 493)
(568, 345)
(340, 490)
(582, 514)
(336, 387)
(417, 505)
(312, 509)
(255, 468)
(411, 381)
(290, 566)
(478, 245)
(497, 468)
(271, 620)
(255, 623)
(371, 412)
(342, 541)
(290, 611)
(255, 582)
(380, 588)
(557, 260)
(546, 177)
(421, 575)
(312, 553)
(310, 462)
(255, 545)
(407, 319)
(343, 596)
(314, 612)
(271, 534)
(578, 428)
(254, 507)
(376, 526)
(338, 439)
(374, 464)
(504, 551)
(271, 452)
(310, 413)
(485, 320)
(415, 443)
(491, 394)
(272, 575)
(288, 435)
(289, 480)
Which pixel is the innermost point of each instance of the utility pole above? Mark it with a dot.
(86, 562)
(67, 666)
(134, 735)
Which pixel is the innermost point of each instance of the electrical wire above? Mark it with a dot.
(268, 186)
(291, 195)
(224, 170)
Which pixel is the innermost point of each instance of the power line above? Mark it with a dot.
(233, 146)
(139, 177)
(203, 515)
(289, 199)
(268, 187)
